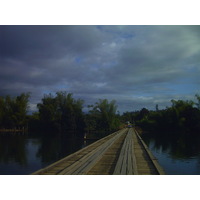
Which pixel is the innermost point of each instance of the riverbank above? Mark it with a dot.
(13, 130)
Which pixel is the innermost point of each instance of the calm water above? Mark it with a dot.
(24, 154)
(177, 155)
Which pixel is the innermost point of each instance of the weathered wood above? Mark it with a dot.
(76, 156)
(152, 158)
(123, 152)
(126, 163)
(135, 167)
(106, 165)
(129, 160)
(119, 166)
(87, 162)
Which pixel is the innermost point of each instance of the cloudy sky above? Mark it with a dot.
(138, 66)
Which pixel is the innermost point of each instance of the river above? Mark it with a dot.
(24, 154)
(177, 154)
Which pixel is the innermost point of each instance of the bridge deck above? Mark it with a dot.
(120, 153)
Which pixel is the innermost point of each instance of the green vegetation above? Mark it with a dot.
(63, 113)
(103, 114)
(102, 118)
(60, 113)
(181, 117)
(13, 111)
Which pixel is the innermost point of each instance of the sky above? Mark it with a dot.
(138, 66)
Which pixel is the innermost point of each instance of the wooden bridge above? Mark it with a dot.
(121, 153)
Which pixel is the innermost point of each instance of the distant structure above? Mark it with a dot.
(128, 124)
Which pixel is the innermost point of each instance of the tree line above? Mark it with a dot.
(13, 111)
(183, 116)
(64, 114)
(58, 113)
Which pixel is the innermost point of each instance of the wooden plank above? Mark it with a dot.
(134, 163)
(97, 156)
(125, 162)
(130, 162)
(118, 167)
(128, 154)
(107, 163)
(88, 164)
(71, 156)
(151, 156)
(134, 157)
(88, 161)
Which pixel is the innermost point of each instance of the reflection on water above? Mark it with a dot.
(24, 154)
(176, 153)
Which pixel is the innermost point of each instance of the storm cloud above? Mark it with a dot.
(138, 66)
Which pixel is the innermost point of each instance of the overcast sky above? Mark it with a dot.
(138, 66)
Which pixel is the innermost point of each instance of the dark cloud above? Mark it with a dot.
(39, 42)
(139, 66)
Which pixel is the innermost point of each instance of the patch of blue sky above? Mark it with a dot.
(59, 87)
(96, 66)
(63, 87)
(110, 64)
(113, 63)
(100, 27)
(184, 88)
(78, 59)
(47, 92)
(127, 35)
(193, 69)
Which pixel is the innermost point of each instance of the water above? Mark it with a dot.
(178, 155)
(24, 154)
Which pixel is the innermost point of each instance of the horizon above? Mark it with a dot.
(33, 108)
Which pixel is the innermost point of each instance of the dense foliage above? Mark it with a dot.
(60, 113)
(63, 113)
(104, 115)
(182, 116)
(13, 111)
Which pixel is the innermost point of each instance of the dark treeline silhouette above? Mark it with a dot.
(13, 112)
(181, 117)
(175, 130)
(62, 113)
(102, 119)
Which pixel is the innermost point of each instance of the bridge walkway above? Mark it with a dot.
(121, 153)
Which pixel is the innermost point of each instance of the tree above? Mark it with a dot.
(61, 113)
(21, 109)
(48, 112)
(179, 108)
(105, 115)
(14, 111)
(143, 113)
(69, 111)
(181, 117)
(157, 109)
(2, 111)
(198, 98)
